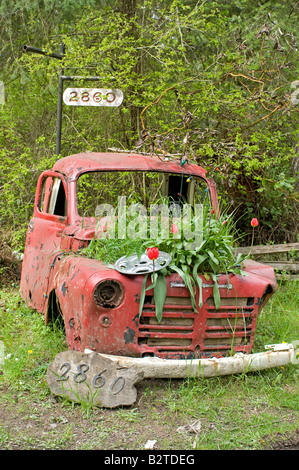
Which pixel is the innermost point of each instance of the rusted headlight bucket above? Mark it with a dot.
(108, 294)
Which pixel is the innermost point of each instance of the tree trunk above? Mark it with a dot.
(128, 8)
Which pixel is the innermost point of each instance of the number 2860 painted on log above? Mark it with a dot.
(98, 380)
(93, 377)
(93, 97)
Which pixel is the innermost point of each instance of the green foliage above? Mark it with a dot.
(279, 320)
(211, 82)
(29, 343)
(214, 255)
(19, 170)
(211, 255)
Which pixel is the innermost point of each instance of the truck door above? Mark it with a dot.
(44, 238)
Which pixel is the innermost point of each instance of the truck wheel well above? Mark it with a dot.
(54, 313)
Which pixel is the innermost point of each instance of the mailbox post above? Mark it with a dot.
(77, 96)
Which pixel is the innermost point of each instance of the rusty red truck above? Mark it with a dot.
(99, 304)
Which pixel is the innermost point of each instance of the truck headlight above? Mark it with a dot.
(108, 294)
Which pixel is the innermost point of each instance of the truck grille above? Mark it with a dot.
(230, 326)
(175, 331)
(211, 332)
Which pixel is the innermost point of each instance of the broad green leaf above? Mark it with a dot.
(216, 293)
(199, 283)
(200, 259)
(142, 295)
(214, 259)
(160, 295)
(154, 280)
(187, 280)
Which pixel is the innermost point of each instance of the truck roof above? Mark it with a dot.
(74, 165)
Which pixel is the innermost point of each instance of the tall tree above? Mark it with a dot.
(207, 81)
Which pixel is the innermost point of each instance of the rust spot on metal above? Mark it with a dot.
(63, 289)
(129, 335)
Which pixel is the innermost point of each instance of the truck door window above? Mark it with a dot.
(53, 198)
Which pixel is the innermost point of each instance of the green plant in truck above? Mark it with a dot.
(212, 256)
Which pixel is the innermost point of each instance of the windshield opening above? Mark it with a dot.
(137, 187)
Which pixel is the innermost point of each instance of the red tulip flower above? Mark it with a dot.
(174, 228)
(153, 253)
(254, 223)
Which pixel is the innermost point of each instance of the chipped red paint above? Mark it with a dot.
(54, 274)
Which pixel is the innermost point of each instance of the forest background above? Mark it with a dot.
(215, 82)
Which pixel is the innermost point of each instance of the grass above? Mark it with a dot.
(279, 321)
(245, 411)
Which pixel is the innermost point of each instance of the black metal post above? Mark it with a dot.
(59, 106)
(60, 87)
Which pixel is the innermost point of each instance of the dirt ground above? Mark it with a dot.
(54, 424)
(281, 443)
